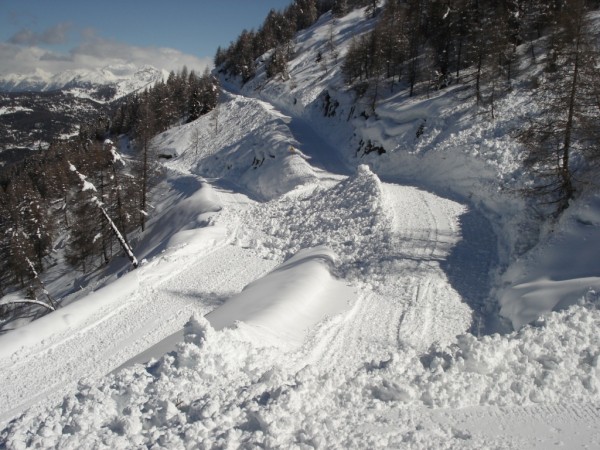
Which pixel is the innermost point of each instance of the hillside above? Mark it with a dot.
(33, 119)
(317, 274)
(443, 142)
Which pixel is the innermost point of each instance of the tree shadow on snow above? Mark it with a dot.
(185, 185)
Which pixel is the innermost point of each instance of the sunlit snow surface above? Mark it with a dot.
(287, 300)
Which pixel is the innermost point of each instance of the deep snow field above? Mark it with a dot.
(294, 294)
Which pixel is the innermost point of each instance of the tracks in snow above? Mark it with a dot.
(534, 427)
(411, 301)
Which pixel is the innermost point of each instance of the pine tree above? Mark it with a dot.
(144, 132)
(277, 64)
(20, 222)
(415, 18)
(393, 37)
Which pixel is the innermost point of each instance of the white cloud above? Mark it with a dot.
(99, 49)
(94, 52)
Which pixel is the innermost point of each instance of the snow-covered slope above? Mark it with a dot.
(291, 297)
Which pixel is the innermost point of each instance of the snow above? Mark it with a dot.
(85, 185)
(444, 144)
(251, 136)
(293, 293)
(116, 156)
(13, 109)
(281, 307)
(561, 272)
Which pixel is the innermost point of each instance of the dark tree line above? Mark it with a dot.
(441, 42)
(42, 197)
(184, 96)
(277, 33)
(85, 191)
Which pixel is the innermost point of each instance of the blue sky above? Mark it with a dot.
(55, 35)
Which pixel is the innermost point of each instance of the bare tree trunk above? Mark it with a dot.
(51, 303)
(478, 78)
(565, 173)
(458, 60)
(120, 212)
(144, 185)
(124, 245)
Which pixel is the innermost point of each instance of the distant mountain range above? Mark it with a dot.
(39, 107)
(103, 84)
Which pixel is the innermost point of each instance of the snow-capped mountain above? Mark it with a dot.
(68, 98)
(121, 79)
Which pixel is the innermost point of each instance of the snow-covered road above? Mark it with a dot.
(378, 371)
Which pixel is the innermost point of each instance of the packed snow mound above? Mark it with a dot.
(281, 307)
(182, 221)
(243, 141)
(218, 388)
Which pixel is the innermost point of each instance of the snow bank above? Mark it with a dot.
(280, 308)
(181, 220)
(243, 141)
(562, 270)
(554, 360)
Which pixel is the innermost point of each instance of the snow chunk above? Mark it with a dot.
(349, 217)
(86, 185)
(197, 330)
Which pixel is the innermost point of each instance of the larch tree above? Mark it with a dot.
(565, 130)
(144, 131)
